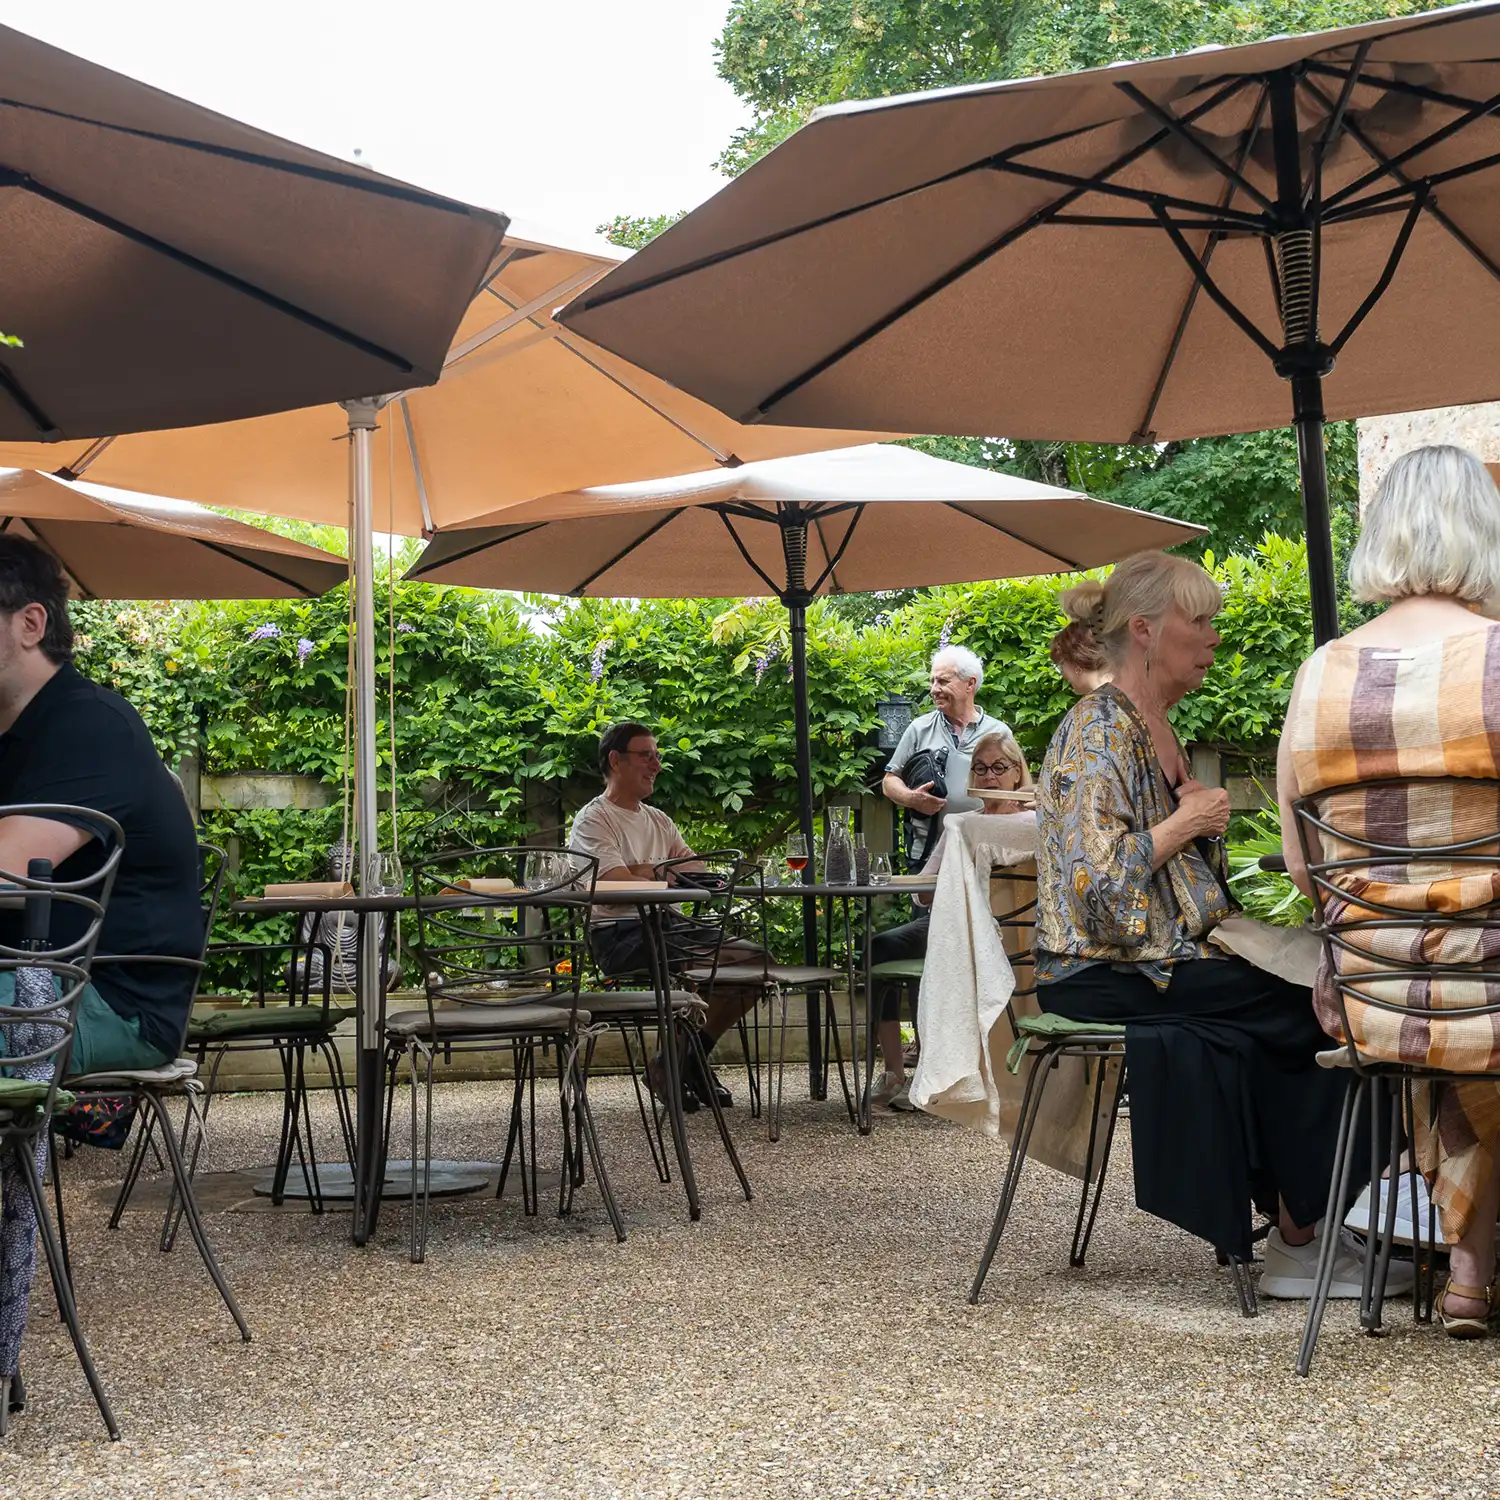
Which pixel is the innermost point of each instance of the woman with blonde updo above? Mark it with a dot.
(1227, 1103)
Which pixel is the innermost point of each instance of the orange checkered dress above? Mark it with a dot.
(1364, 713)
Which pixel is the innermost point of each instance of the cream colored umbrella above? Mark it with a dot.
(523, 408)
(159, 549)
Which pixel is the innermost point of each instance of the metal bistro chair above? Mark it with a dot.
(1399, 983)
(693, 966)
(495, 982)
(36, 1035)
(1049, 1040)
(747, 918)
(151, 1089)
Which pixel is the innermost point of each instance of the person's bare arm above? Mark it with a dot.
(1287, 792)
(918, 798)
(1202, 812)
(25, 839)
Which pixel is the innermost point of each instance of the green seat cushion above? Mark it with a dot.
(253, 1022)
(1047, 1027)
(26, 1093)
(897, 968)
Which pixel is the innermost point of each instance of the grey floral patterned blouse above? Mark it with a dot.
(1100, 793)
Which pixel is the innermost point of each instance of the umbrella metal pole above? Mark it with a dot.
(369, 1083)
(797, 608)
(1304, 360)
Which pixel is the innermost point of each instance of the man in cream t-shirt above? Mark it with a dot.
(629, 839)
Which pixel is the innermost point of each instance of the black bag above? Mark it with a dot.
(919, 830)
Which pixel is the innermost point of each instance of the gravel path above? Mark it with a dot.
(814, 1342)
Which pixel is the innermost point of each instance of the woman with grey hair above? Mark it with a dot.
(1416, 693)
(1227, 1104)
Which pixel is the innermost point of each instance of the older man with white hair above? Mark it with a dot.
(947, 736)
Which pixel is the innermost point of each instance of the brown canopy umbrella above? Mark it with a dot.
(523, 408)
(160, 549)
(1134, 253)
(166, 266)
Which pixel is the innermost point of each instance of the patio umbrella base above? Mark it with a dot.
(450, 1179)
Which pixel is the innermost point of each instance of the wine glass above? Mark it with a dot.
(384, 875)
(880, 869)
(796, 853)
(538, 874)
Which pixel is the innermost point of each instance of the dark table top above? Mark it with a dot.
(792, 890)
(270, 906)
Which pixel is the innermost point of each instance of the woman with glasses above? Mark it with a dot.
(997, 765)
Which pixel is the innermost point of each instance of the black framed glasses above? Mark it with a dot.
(992, 768)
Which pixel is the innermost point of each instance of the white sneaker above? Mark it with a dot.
(886, 1086)
(1291, 1271)
(901, 1099)
(1358, 1217)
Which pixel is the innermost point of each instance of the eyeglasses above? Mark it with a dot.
(651, 756)
(995, 768)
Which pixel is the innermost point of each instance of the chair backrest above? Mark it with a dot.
(37, 1026)
(476, 947)
(722, 874)
(1405, 876)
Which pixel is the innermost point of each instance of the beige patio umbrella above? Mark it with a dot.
(522, 408)
(1140, 252)
(875, 516)
(160, 549)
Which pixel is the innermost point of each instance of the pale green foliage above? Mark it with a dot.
(631, 233)
(1262, 893)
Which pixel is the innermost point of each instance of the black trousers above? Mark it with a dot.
(1227, 1105)
(909, 940)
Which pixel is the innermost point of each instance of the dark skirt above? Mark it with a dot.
(1227, 1105)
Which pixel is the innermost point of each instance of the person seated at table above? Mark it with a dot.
(1227, 1102)
(630, 839)
(997, 764)
(64, 739)
(1416, 692)
(1076, 655)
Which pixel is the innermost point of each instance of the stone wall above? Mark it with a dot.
(1384, 439)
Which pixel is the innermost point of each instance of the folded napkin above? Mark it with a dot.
(630, 885)
(325, 888)
(914, 879)
(486, 885)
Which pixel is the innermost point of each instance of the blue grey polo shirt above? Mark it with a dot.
(933, 732)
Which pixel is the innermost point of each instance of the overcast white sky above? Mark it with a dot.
(561, 113)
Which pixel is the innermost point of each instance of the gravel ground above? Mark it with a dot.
(813, 1342)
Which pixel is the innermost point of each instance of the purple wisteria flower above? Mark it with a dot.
(596, 661)
(947, 632)
(266, 632)
(305, 648)
(769, 652)
(404, 627)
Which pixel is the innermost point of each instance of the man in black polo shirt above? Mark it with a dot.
(65, 739)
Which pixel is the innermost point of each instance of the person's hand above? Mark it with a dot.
(924, 802)
(1207, 807)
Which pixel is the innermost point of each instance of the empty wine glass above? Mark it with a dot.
(880, 869)
(384, 875)
(538, 874)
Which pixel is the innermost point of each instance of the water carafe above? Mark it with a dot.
(838, 845)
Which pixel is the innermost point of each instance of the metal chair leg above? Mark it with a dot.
(778, 1002)
(651, 1123)
(143, 1134)
(1081, 1245)
(700, 1058)
(1031, 1105)
(23, 1149)
(1338, 1188)
(590, 1138)
(1382, 1262)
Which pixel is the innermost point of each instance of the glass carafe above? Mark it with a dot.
(838, 845)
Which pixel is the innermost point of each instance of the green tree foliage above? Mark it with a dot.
(631, 233)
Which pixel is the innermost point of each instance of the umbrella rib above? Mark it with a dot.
(248, 562)
(19, 394)
(400, 191)
(1434, 138)
(37, 532)
(778, 590)
(838, 556)
(1377, 155)
(1040, 216)
(216, 273)
(85, 460)
(1229, 218)
(520, 314)
(1397, 86)
(1069, 562)
(416, 464)
(1378, 290)
(1209, 285)
(421, 566)
(1142, 434)
(720, 257)
(1164, 116)
(1336, 117)
(625, 552)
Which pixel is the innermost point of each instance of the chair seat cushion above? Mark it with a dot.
(177, 1071)
(607, 1005)
(1051, 1028)
(27, 1093)
(898, 968)
(509, 1019)
(788, 976)
(264, 1021)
